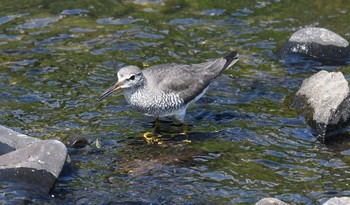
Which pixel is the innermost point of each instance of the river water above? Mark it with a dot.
(57, 57)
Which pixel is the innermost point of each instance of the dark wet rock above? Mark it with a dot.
(76, 141)
(318, 43)
(338, 201)
(40, 179)
(324, 100)
(29, 160)
(270, 201)
(5, 148)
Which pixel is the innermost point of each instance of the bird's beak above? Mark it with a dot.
(109, 91)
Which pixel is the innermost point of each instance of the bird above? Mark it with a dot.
(168, 89)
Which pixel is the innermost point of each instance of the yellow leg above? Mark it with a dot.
(157, 123)
(184, 132)
(152, 136)
(184, 129)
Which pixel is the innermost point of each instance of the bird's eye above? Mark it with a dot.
(132, 77)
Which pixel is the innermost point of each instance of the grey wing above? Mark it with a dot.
(187, 80)
(188, 84)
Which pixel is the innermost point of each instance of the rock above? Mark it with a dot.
(11, 140)
(29, 160)
(270, 201)
(324, 100)
(318, 43)
(338, 201)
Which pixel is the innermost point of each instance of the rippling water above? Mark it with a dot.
(247, 143)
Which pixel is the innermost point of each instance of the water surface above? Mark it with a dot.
(247, 143)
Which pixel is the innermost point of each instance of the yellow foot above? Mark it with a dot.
(152, 138)
(182, 134)
(186, 135)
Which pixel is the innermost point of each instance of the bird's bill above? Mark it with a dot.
(109, 91)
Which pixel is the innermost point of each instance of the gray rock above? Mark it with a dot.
(11, 140)
(29, 160)
(318, 35)
(317, 43)
(48, 155)
(338, 201)
(324, 100)
(270, 201)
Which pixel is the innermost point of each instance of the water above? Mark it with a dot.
(247, 143)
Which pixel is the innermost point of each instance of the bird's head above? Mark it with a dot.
(128, 77)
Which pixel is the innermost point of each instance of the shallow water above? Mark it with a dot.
(247, 143)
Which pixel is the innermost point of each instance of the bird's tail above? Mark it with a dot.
(231, 59)
(218, 66)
